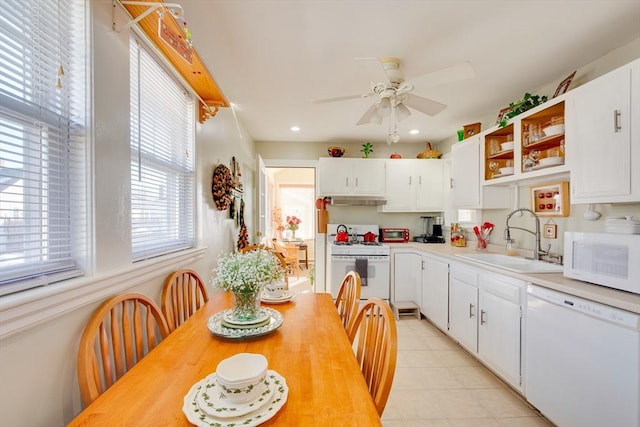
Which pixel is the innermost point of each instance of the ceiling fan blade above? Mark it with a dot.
(424, 105)
(370, 116)
(375, 70)
(340, 98)
(462, 71)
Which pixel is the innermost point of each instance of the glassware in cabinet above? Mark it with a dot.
(542, 138)
(499, 153)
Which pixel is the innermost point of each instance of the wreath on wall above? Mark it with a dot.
(221, 187)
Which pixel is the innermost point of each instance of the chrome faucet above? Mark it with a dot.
(537, 251)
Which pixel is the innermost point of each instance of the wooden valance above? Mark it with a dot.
(169, 36)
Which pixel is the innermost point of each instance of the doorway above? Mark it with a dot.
(290, 211)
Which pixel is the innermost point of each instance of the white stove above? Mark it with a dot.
(370, 260)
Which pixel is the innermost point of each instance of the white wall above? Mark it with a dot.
(38, 385)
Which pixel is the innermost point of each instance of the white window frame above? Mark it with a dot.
(162, 158)
(43, 123)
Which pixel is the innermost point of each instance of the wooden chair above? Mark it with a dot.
(348, 298)
(377, 347)
(283, 261)
(290, 254)
(183, 293)
(118, 334)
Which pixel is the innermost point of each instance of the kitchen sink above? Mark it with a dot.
(513, 263)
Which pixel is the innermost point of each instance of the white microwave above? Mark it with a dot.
(611, 260)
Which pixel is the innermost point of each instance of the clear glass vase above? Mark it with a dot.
(246, 305)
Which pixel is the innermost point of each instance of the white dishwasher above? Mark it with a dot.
(582, 365)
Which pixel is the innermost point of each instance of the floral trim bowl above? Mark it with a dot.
(335, 151)
(241, 377)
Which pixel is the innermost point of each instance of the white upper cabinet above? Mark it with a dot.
(466, 191)
(603, 150)
(349, 176)
(414, 185)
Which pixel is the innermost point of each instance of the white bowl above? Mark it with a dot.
(553, 130)
(241, 377)
(506, 171)
(507, 146)
(547, 161)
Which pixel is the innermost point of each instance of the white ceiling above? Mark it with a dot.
(271, 58)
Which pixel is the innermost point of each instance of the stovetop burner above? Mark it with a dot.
(342, 243)
(370, 243)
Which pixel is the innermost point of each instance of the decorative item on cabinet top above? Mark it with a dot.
(335, 151)
(527, 102)
(550, 199)
(471, 129)
(429, 153)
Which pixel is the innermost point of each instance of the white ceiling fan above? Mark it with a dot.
(393, 94)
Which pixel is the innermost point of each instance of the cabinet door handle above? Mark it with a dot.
(471, 310)
(346, 182)
(451, 183)
(616, 121)
(420, 180)
(482, 315)
(409, 180)
(356, 182)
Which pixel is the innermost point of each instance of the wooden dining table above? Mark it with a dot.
(310, 350)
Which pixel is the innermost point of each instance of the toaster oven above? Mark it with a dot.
(394, 235)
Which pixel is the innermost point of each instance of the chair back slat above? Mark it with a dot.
(118, 334)
(183, 294)
(348, 298)
(375, 338)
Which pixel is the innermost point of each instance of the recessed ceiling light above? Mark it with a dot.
(414, 131)
(295, 128)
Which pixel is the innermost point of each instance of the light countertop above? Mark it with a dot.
(556, 281)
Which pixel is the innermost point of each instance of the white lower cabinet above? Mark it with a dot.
(435, 291)
(485, 318)
(499, 330)
(406, 283)
(463, 306)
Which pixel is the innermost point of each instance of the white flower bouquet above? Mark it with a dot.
(246, 272)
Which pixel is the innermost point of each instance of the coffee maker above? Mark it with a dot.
(432, 226)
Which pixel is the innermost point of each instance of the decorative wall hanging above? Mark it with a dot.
(550, 199)
(222, 187)
(564, 85)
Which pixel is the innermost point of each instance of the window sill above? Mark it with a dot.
(30, 308)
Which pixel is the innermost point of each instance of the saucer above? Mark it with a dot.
(212, 402)
(286, 296)
(249, 326)
(261, 413)
(260, 318)
(216, 327)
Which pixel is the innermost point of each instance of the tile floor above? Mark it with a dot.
(437, 384)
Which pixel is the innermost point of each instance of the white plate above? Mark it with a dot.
(548, 161)
(197, 416)
(217, 328)
(286, 296)
(211, 402)
(260, 318)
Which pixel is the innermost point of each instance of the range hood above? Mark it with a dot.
(358, 201)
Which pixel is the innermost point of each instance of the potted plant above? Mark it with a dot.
(245, 274)
(367, 148)
(527, 102)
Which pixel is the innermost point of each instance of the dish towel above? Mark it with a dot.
(361, 268)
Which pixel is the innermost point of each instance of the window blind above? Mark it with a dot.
(42, 141)
(162, 160)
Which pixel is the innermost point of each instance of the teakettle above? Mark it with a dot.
(369, 237)
(342, 233)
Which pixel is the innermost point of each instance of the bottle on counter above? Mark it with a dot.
(458, 236)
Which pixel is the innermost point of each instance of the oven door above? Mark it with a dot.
(377, 274)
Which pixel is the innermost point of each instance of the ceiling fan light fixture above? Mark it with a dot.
(402, 112)
(384, 107)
